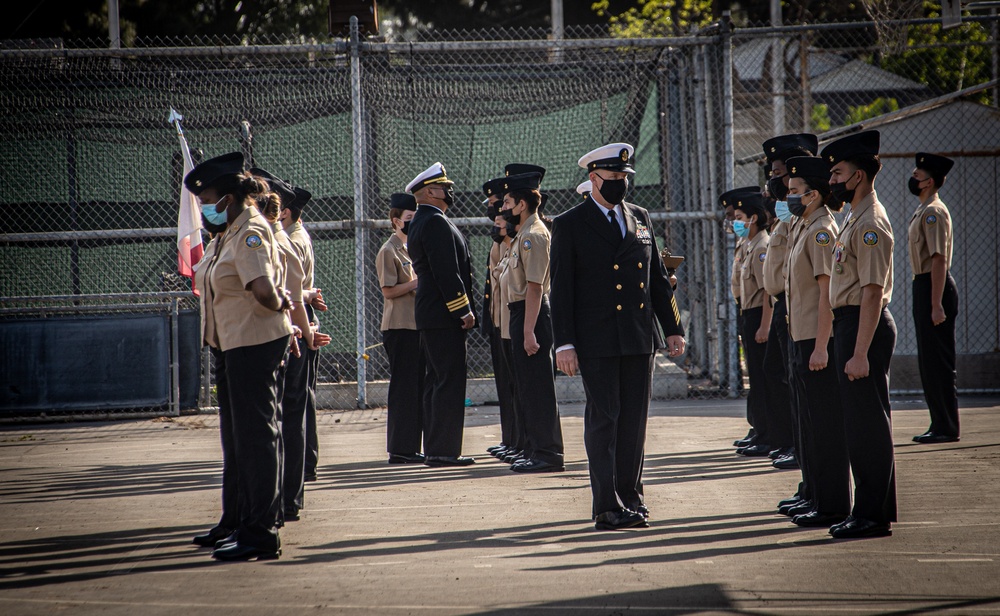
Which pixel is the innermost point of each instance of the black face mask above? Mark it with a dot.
(512, 221)
(495, 234)
(449, 196)
(795, 205)
(213, 229)
(914, 186)
(492, 212)
(613, 191)
(842, 194)
(406, 228)
(777, 188)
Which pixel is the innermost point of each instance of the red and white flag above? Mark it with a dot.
(189, 247)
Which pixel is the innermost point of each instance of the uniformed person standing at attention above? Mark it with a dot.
(304, 370)
(935, 297)
(244, 316)
(822, 443)
(509, 440)
(407, 367)
(608, 285)
(526, 282)
(864, 332)
(443, 312)
(751, 225)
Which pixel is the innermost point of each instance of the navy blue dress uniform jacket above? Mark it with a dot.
(605, 288)
(444, 272)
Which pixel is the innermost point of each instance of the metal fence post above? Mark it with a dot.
(728, 169)
(175, 358)
(360, 231)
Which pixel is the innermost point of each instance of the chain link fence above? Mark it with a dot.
(91, 169)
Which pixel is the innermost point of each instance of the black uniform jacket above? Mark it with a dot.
(605, 288)
(440, 257)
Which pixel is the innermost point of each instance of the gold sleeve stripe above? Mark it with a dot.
(677, 313)
(458, 304)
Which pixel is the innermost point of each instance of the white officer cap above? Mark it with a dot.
(613, 157)
(435, 174)
(585, 187)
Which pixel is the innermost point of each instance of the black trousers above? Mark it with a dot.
(252, 374)
(518, 438)
(312, 437)
(505, 392)
(405, 422)
(230, 518)
(802, 431)
(293, 429)
(779, 399)
(444, 390)
(824, 443)
(867, 419)
(936, 353)
(536, 385)
(754, 354)
(614, 429)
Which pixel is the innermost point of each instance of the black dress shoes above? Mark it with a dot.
(238, 551)
(802, 507)
(856, 528)
(784, 509)
(618, 520)
(210, 538)
(934, 437)
(746, 440)
(642, 510)
(512, 455)
(494, 449)
(291, 514)
(754, 450)
(406, 458)
(309, 477)
(448, 461)
(532, 465)
(815, 519)
(792, 500)
(232, 538)
(786, 463)
(780, 452)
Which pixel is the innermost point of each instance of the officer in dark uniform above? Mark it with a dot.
(935, 297)
(443, 313)
(493, 190)
(864, 333)
(608, 284)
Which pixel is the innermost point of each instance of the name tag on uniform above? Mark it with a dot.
(642, 233)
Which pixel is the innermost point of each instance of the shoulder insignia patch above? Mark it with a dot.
(870, 238)
(822, 238)
(526, 244)
(253, 241)
(931, 219)
(761, 256)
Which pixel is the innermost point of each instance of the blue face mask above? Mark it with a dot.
(740, 228)
(212, 216)
(782, 212)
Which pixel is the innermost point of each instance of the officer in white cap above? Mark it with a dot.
(443, 313)
(608, 283)
(584, 188)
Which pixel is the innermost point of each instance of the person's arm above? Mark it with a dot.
(871, 309)
(765, 323)
(268, 295)
(532, 305)
(400, 289)
(561, 262)
(442, 256)
(824, 325)
(939, 272)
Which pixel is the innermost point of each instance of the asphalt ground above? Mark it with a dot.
(98, 518)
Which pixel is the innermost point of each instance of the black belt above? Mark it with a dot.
(922, 276)
(846, 311)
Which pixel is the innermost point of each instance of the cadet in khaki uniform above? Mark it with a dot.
(245, 318)
(404, 425)
(751, 225)
(864, 332)
(728, 200)
(823, 448)
(935, 297)
(501, 320)
(526, 282)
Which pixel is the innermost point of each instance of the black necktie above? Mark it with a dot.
(614, 223)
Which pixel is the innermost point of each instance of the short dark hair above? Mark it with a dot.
(531, 197)
(869, 163)
(395, 212)
(938, 179)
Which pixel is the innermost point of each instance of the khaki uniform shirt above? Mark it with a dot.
(776, 263)
(303, 246)
(233, 317)
(930, 234)
(497, 251)
(529, 260)
(292, 275)
(393, 267)
(201, 282)
(752, 271)
(809, 257)
(734, 280)
(862, 255)
(501, 290)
